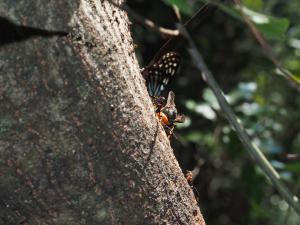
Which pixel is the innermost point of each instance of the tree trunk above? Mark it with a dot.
(79, 142)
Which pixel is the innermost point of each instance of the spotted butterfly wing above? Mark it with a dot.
(159, 74)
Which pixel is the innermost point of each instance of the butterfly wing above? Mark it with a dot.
(159, 74)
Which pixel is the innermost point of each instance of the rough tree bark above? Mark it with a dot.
(79, 142)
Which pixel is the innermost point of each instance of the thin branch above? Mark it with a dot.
(149, 23)
(173, 34)
(201, 12)
(252, 149)
(146, 22)
(177, 13)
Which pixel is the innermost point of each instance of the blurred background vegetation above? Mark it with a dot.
(231, 187)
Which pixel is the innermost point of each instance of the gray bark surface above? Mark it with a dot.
(79, 141)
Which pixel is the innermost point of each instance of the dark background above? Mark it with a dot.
(232, 189)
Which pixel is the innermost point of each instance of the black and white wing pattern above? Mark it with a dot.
(159, 74)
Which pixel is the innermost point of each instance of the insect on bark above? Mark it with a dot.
(158, 75)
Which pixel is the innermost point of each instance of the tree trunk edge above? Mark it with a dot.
(112, 154)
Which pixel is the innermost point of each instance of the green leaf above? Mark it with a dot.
(182, 5)
(211, 99)
(253, 4)
(296, 78)
(275, 29)
(271, 27)
(293, 167)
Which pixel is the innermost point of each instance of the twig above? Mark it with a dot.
(177, 13)
(252, 149)
(201, 12)
(149, 23)
(173, 34)
(146, 22)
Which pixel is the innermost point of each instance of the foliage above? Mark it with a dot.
(232, 188)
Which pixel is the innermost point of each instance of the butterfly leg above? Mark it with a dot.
(169, 131)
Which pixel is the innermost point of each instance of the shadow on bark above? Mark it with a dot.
(12, 32)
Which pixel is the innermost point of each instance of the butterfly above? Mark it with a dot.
(168, 115)
(157, 76)
(160, 73)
